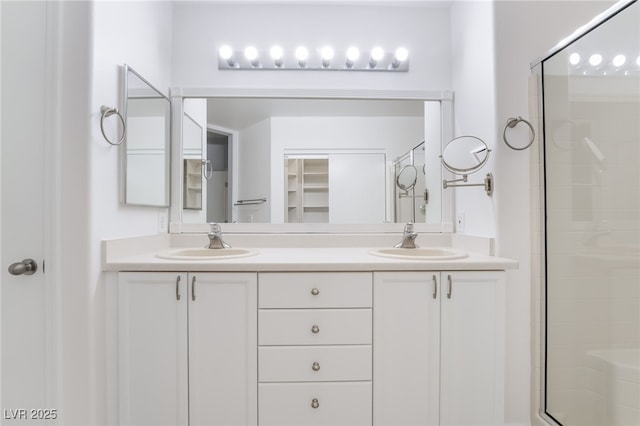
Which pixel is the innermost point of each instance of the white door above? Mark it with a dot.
(472, 348)
(406, 323)
(152, 336)
(223, 376)
(23, 302)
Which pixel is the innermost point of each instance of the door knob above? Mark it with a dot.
(26, 267)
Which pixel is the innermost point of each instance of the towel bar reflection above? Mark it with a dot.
(249, 202)
(106, 113)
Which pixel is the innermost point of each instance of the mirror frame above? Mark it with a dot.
(176, 226)
(126, 69)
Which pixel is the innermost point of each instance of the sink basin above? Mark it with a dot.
(420, 253)
(206, 254)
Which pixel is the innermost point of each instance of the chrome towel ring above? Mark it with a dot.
(513, 122)
(108, 112)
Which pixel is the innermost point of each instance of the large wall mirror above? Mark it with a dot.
(146, 151)
(303, 160)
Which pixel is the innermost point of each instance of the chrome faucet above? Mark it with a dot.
(215, 237)
(408, 237)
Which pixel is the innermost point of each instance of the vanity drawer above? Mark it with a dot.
(314, 363)
(320, 404)
(314, 327)
(315, 290)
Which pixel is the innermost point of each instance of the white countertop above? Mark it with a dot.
(307, 259)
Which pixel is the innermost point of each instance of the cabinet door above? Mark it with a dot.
(223, 348)
(405, 348)
(152, 326)
(472, 348)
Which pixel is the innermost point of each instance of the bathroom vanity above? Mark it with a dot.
(309, 336)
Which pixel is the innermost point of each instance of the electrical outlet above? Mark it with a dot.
(460, 222)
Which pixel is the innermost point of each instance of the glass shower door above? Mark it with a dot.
(591, 107)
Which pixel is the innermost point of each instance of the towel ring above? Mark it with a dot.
(513, 122)
(108, 112)
(207, 169)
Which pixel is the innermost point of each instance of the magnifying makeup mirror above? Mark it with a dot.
(407, 178)
(465, 155)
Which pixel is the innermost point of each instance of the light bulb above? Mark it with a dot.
(226, 54)
(302, 53)
(352, 55)
(619, 60)
(251, 53)
(377, 53)
(400, 56)
(595, 59)
(276, 53)
(574, 58)
(326, 53)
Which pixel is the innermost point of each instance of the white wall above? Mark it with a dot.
(138, 34)
(474, 85)
(72, 222)
(200, 28)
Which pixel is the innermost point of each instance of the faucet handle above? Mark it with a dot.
(215, 228)
(408, 227)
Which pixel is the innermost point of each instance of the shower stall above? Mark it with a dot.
(590, 223)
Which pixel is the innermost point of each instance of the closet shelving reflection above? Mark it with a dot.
(307, 189)
(193, 184)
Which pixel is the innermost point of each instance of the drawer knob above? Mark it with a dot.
(315, 329)
(315, 366)
(315, 403)
(315, 291)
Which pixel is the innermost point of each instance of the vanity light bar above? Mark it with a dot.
(325, 58)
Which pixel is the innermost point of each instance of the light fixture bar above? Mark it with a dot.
(314, 59)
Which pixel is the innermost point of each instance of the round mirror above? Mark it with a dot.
(407, 177)
(465, 154)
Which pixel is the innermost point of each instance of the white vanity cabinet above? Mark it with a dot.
(439, 348)
(315, 358)
(187, 348)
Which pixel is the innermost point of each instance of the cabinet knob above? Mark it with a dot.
(315, 329)
(315, 366)
(315, 403)
(315, 291)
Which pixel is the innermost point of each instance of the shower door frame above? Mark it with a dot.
(537, 71)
